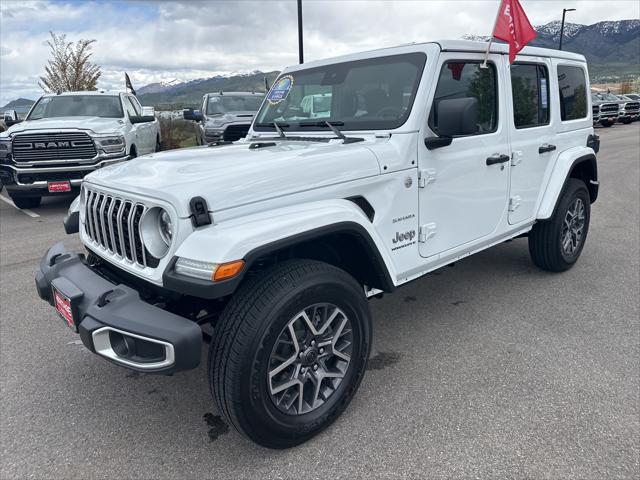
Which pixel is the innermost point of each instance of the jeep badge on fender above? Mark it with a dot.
(279, 239)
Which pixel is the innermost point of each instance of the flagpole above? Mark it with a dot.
(486, 54)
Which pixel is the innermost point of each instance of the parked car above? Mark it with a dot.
(67, 135)
(634, 96)
(224, 116)
(278, 240)
(629, 109)
(605, 111)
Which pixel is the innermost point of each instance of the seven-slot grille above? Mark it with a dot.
(113, 223)
(632, 107)
(41, 147)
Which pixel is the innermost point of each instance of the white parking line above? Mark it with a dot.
(26, 211)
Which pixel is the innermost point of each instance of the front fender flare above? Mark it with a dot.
(254, 236)
(566, 162)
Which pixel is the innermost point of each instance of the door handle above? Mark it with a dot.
(546, 148)
(497, 158)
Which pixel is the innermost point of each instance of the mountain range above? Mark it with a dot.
(612, 48)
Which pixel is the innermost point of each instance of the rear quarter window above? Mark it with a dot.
(572, 85)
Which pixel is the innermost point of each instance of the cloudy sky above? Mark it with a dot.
(165, 40)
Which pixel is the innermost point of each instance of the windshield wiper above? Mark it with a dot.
(332, 127)
(279, 130)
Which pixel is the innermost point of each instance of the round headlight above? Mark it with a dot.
(157, 231)
(166, 229)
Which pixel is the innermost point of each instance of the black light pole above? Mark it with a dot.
(300, 54)
(564, 13)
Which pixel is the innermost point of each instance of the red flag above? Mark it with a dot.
(512, 26)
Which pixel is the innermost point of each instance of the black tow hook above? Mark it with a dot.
(102, 299)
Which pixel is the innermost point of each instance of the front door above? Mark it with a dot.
(534, 151)
(464, 186)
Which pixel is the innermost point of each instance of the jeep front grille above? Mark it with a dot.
(113, 224)
(49, 147)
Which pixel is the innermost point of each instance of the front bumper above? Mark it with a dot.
(114, 322)
(20, 179)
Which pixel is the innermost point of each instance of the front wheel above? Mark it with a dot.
(606, 123)
(290, 351)
(556, 244)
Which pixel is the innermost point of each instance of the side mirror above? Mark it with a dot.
(148, 112)
(457, 116)
(11, 117)
(191, 114)
(141, 118)
(437, 142)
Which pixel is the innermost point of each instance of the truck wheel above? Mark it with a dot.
(26, 202)
(290, 351)
(158, 144)
(606, 123)
(556, 244)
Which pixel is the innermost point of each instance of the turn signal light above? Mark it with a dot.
(228, 270)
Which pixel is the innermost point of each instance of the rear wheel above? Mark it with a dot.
(26, 202)
(556, 244)
(290, 352)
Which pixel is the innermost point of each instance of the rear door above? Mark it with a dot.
(464, 186)
(534, 151)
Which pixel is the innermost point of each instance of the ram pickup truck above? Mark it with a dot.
(273, 245)
(68, 135)
(605, 111)
(224, 116)
(629, 109)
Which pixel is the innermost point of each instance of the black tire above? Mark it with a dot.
(546, 237)
(246, 338)
(133, 153)
(158, 145)
(606, 124)
(26, 202)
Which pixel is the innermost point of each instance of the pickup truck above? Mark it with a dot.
(224, 116)
(68, 135)
(274, 244)
(606, 111)
(629, 109)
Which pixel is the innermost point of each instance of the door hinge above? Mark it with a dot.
(516, 158)
(426, 232)
(514, 203)
(426, 177)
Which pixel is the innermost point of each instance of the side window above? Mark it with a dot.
(128, 107)
(573, 92)
(530, 90)
(465, 79)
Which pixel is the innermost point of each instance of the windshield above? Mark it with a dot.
(375, 93)
(77, 106)
(233, 103)
(634, 97)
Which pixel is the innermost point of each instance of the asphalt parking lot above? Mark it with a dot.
(491, 369)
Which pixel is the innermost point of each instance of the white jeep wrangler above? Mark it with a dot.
(273, 244)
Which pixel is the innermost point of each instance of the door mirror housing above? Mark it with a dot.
(191, 114)
(141, 118)
(11, 118)
(457, 116)
(148, 112)
(437, 142)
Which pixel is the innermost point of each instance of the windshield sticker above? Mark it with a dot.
(280, 90)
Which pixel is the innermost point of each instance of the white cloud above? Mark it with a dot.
(156, 41)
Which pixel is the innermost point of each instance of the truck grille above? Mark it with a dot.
(609, 108)
(113, 224)
(41, 147)
(632, 107)
(235, 132)
(596, 110)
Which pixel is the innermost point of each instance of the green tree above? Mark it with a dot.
(69, 69)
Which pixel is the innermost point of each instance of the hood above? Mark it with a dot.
(94, 124)
(233, 175)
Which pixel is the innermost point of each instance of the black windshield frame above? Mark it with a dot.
(417, 59)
